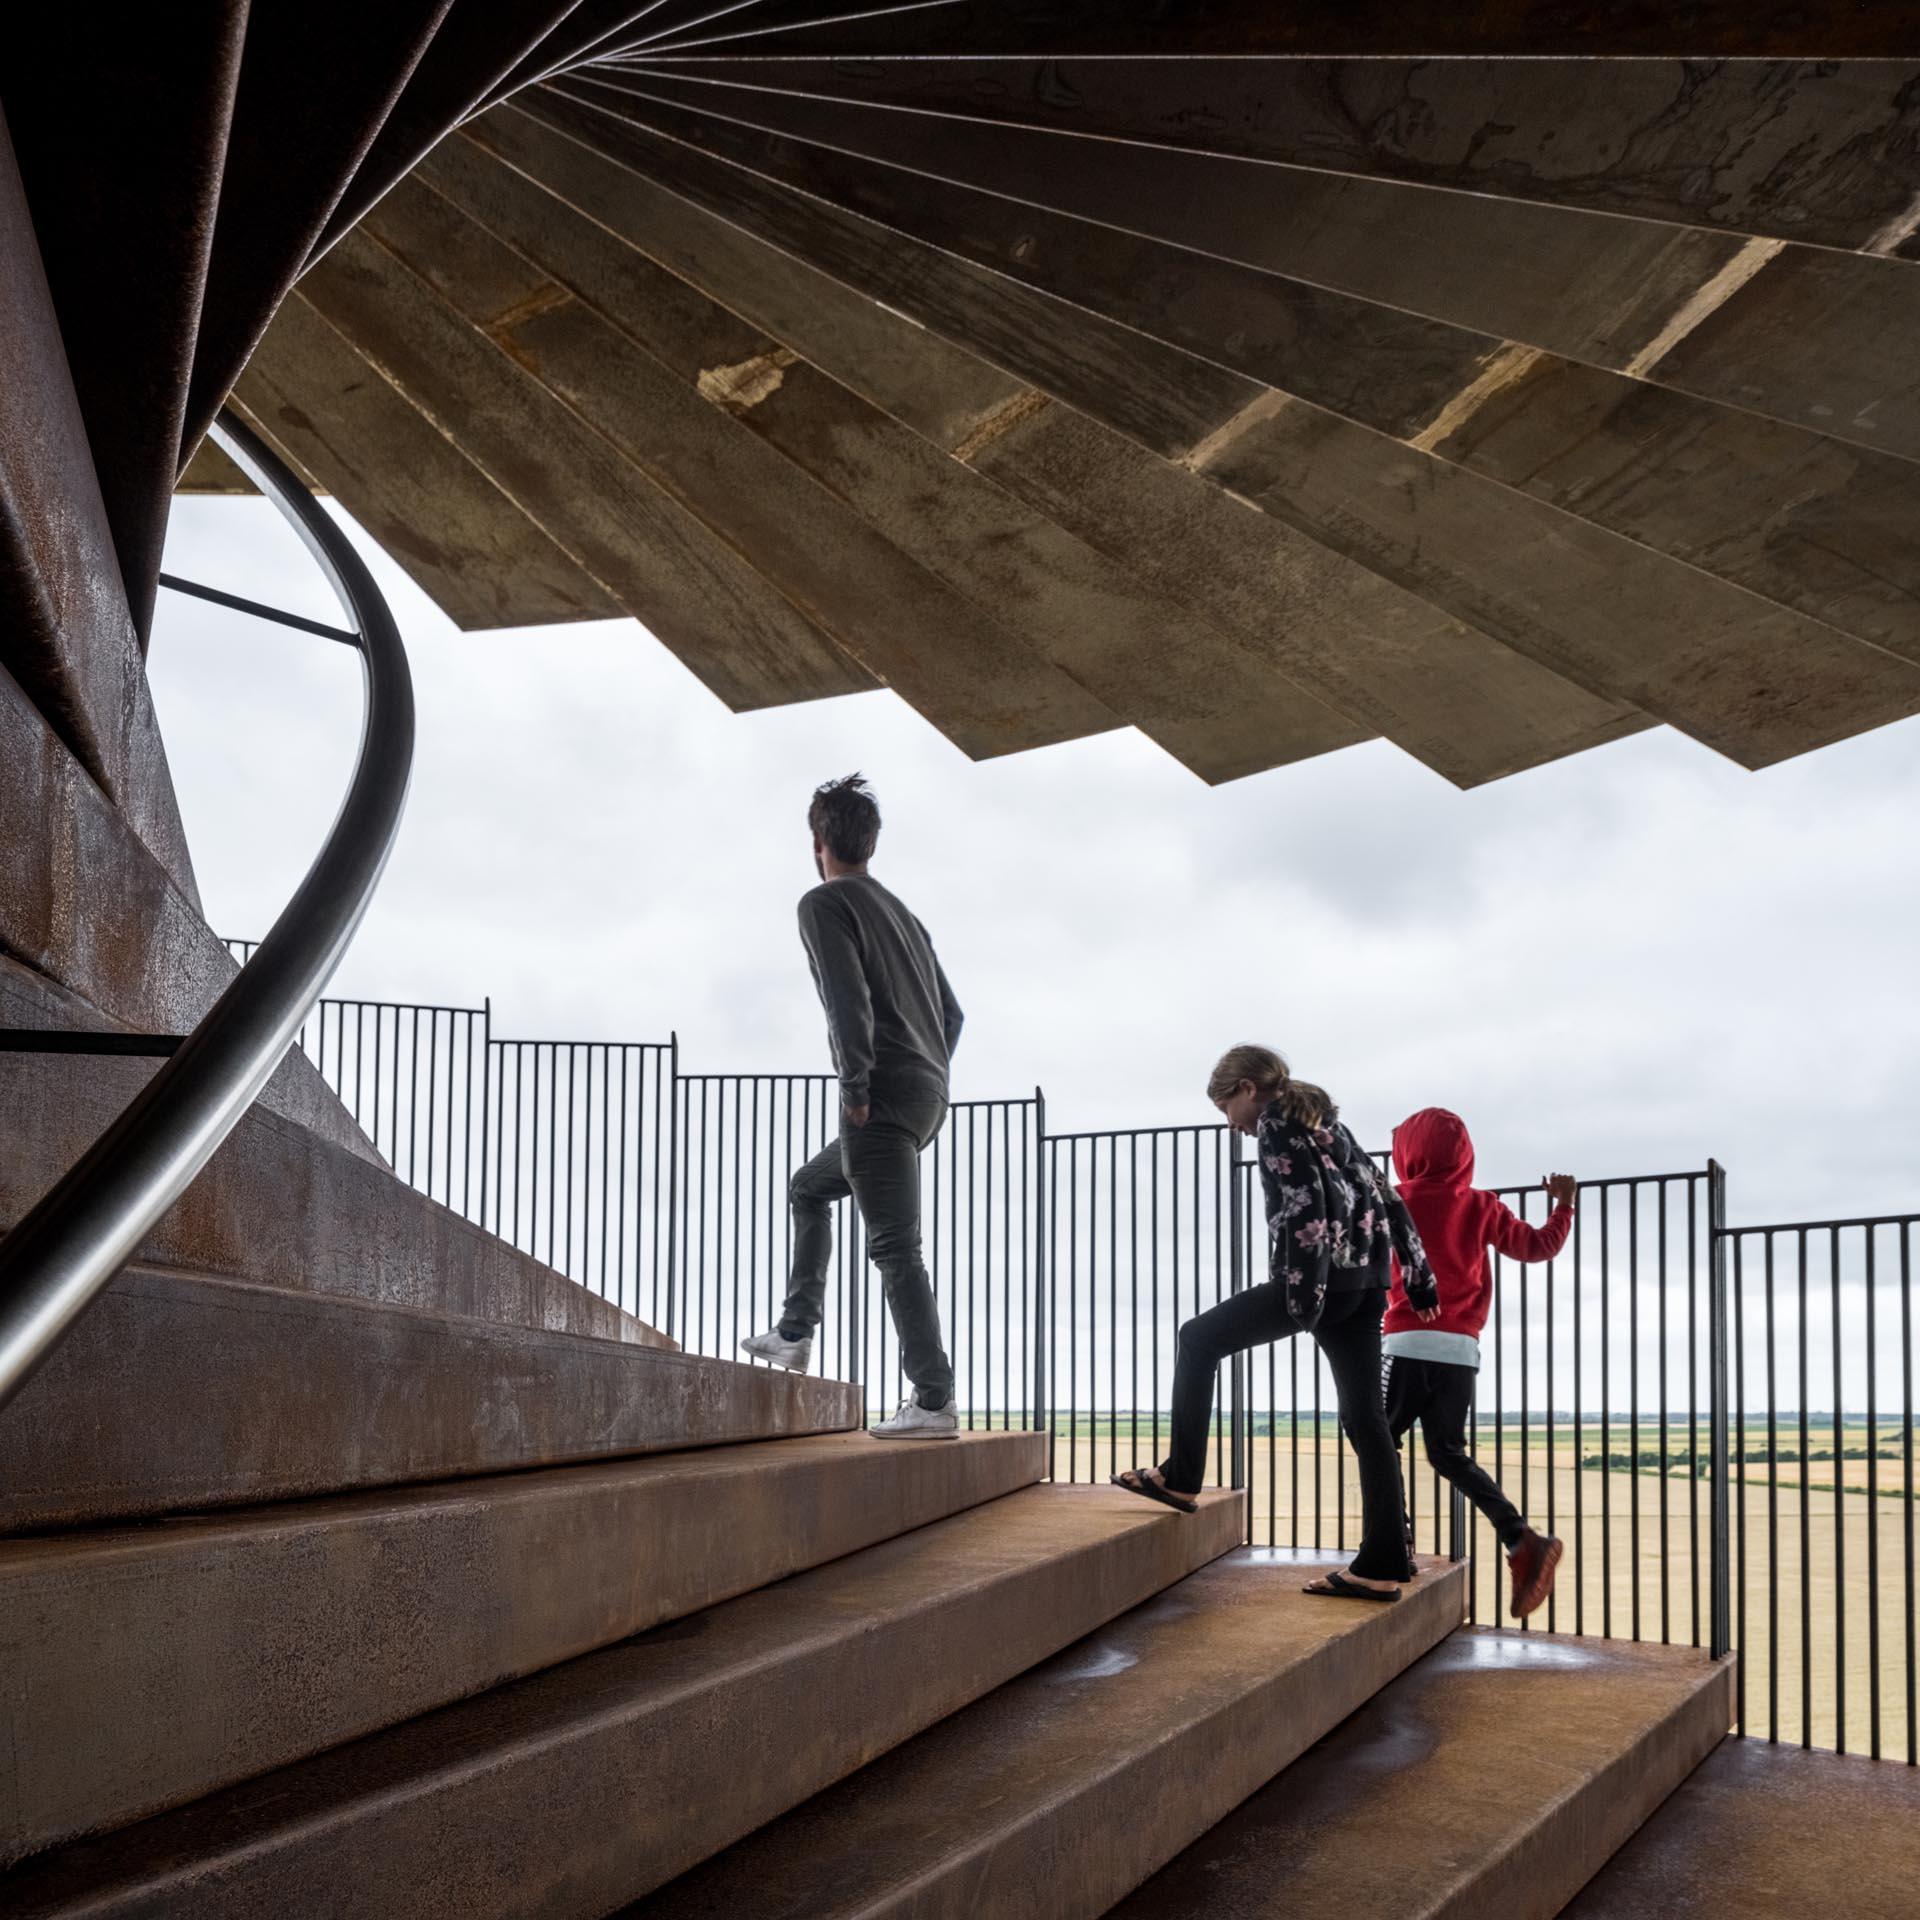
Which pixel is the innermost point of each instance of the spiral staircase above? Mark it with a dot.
(1498, 383)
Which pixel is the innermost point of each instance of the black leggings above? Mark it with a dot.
(1440, 1396)
(1349, 1335)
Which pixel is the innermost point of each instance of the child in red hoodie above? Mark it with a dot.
(1432, 1357)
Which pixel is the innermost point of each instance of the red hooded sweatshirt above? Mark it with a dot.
(1433, 1163)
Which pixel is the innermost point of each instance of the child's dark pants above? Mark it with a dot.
(1440, 1396)
(1349, 1335)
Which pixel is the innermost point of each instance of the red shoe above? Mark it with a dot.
(1532, 1564)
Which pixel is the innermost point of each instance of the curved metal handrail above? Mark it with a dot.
(88, 1226)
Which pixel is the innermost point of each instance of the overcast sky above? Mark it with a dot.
(1619, 964)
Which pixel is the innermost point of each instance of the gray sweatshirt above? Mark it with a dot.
(891, 1016)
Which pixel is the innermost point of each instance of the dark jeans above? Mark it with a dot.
(1440, 1396)
(879, 1164)
(1349, 1335)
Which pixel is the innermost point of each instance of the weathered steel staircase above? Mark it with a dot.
(353, 1563)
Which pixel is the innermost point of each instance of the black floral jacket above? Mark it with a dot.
(1333, 1221)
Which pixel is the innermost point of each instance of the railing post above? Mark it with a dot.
(673, 1177)
(486, 1098)
(1236, 1282)
(1456, 1525)
(1721, 1605)
(1041, 1420)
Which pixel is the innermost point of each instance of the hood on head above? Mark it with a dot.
(1433, 1144)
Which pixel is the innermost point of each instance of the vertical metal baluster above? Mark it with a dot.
(1499, 1422)
(1722, 1621)
(666, 1218)
(1153, 1272)
(1293, 1413)
(1237, 1281)
(1912, 1490)
(696, 1309)
(373, 1132)
(486, 1109)
(1773, 1506)
(1666, 1555)
(1579, 1428)
(1035, 1278)
(1741, 1641)
(968, 1189)
(553, 1143)
(1633, 1391)
(1526, 1398)
(1319, 1435)
(1552, 1460)
(1806, 1504)
(1133, 1288)
(1873, 1507)
(1113, 1302)
(433, 1094)
(1073, 1313)
(1839, 1509)
(620, 1217)
(1006, 1257)
(1693, 1394)
(1606, 1413)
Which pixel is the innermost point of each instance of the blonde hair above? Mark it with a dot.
(1305, 1104)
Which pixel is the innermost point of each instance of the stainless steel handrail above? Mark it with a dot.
(88, 1226)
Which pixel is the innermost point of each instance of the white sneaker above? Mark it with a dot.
(772, 1345)
(914, 1422)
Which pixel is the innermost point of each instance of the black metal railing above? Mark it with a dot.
(73, 1241)
(1717, 1420)
(1823, 1496)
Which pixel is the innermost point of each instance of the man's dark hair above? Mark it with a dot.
(845, 818)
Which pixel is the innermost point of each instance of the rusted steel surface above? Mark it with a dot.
(977, 682)
(581, 157)
(1146, 658)
(210, 471)
(121, 136)
(1591, 28)
(1820, 151)
(1620, 293)
(1586, 1738)
(239, 1670)
(86, 907)
(1061, 1792)
(1398, 373)
(238, 1394)
(1443, 691)
(466, 543)
(673, 1744)
(316, 85)
(1766, 1832)
(67, 638)
(474, 49)
(750, 645)
(1754, 680)
(593, 27)
(1465, 704)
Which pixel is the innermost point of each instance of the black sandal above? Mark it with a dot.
(1338, 1587)
(1153, 1490)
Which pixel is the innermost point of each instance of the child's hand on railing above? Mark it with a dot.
(1562, 1187)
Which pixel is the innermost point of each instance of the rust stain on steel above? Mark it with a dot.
(1706, 300)
(1502, 370)
(1003, 419)
(739, 389)
(541, 300)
